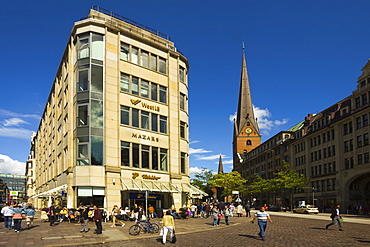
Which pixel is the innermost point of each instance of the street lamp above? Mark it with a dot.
(313, 195)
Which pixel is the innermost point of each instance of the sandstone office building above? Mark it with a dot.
(115, 125)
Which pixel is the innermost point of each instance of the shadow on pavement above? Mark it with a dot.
(248, 236)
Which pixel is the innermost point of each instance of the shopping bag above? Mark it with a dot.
(161, 232)
(174, 239)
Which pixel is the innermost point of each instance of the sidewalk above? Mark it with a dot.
(66, 234)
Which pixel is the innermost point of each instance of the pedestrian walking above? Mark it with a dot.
(7, 212)
(30, 214)
(97, 219)
(52, 214)
(336, 218)
(215, 215)
(247, 210)
(262, 217)
(227, 213)
(17, 217)
(232, 208)
(84, 219)
(168, 226)
(207, 209)
(116, 216)
(239, 210)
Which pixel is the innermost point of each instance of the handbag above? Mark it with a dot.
(174, 239)
(161, 232)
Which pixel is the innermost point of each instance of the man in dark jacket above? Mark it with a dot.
(97, 219)
(336, 218)
(53, 214)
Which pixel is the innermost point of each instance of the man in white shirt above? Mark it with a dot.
(336, 218)
(7, 212)
(262, 217)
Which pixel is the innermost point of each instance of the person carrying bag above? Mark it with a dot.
(168, 225)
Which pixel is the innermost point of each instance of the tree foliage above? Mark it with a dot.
(287, 178)
(202, 179)
(232, 181)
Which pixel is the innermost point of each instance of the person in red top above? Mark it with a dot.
(97, 219)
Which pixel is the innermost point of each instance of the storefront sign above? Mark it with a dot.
(13, 193)
(145, 105)
(145, 176)
(141, 196)
(150, 177)
(145, 137)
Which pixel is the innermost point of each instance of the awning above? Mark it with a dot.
(151, 186)
(52, 191)
(193, 191)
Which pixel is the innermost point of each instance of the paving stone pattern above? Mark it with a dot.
(286, 230)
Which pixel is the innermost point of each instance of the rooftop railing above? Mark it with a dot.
(110, 13)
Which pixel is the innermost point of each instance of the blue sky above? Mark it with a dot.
(302, 56)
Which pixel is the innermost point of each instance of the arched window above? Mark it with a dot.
(249, 142)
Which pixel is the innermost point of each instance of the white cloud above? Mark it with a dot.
(198, 151)
(263, 118)
(192, 142)
(193, 170)
(227, 162)
(8, 165)
(14, 122)
(18, 115)
(210, 157)
(16, 132)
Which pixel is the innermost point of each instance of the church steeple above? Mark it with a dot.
(246, 132)
(220, 166)
(245, 107)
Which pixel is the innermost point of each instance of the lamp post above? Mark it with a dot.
(313, 195)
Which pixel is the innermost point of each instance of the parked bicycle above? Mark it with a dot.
(143, 226)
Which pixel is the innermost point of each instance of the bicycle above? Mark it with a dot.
(143, 226)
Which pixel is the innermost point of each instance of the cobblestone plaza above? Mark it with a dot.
(287, 229)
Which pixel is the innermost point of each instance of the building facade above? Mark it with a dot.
(331, 147)
(115, 127)
(12, 188)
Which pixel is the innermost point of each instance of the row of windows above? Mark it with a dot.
(362, 121)
(143, 156)
(326, 168)
(324, 185)
(143, 119)
(328, 136)
(321, 123)
(143, 58)
(326, 152)
(300, 160)
(299, 147)
(140, 87)
(361, 159)
(148, 157)
(362, 100)
(362, 140)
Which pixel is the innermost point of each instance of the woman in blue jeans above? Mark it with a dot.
(215, 215)
(262, 217)
(17, 217)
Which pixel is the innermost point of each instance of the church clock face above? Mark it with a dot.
(248, 130)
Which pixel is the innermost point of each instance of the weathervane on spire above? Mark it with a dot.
(243, 45)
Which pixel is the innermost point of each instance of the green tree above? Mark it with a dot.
(202, 179)
(258, 185)
(287, 178)
(232, 181)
